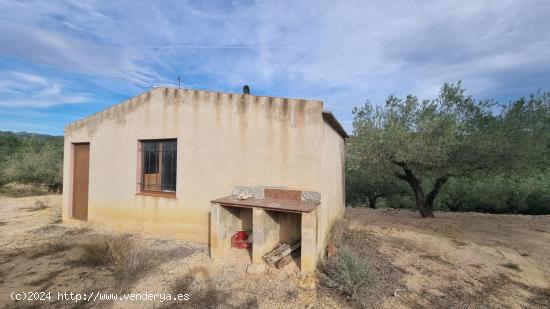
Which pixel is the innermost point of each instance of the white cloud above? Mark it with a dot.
(343, 52)
(22, 89)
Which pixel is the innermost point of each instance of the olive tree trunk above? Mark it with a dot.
(372, 201)
(424, 203)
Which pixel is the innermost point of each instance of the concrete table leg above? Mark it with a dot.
(222, 224)
(265, 235)
(308, 260)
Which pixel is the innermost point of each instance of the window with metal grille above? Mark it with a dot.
(158, 166)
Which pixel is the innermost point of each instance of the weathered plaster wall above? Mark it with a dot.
(223, 140)
(333, 192)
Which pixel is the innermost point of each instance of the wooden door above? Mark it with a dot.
(81, 180)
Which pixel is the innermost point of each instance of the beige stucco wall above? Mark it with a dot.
(223, 140)
(333, 187)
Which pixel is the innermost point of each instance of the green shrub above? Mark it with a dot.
(347, 272)
(538, 203)
(34, 161)
(527, 193)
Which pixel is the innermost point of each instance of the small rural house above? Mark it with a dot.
(202, 165)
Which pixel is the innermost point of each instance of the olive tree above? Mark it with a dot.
(367, 182)
(38, 162)
(426, 141)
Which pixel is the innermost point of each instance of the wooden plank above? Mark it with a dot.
(281, 251)
(276, 251)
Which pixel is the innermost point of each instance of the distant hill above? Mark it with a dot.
(27, 134)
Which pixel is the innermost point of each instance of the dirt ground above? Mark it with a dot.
(460, 260)
(454, 261)
(28, 263)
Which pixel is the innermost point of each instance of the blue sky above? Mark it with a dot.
(63, 60)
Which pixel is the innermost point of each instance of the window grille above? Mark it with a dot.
(158, 166)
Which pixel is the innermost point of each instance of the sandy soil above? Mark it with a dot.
(27, 264)
(453, 261)
(461, 260)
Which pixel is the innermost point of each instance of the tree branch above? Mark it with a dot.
(435, 191)
(409, 177)
(401, 176)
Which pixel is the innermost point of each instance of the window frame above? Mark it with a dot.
(140, 169)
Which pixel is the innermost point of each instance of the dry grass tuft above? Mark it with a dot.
(77, 231)
(348, 272)
(103, 250)
(56, 221)
(541, 299)
(127, 259)
(384, 276)
(482, 296)
(38, 205)
(511, 265)
(49, 248)
(436, 258)
(49, 229)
